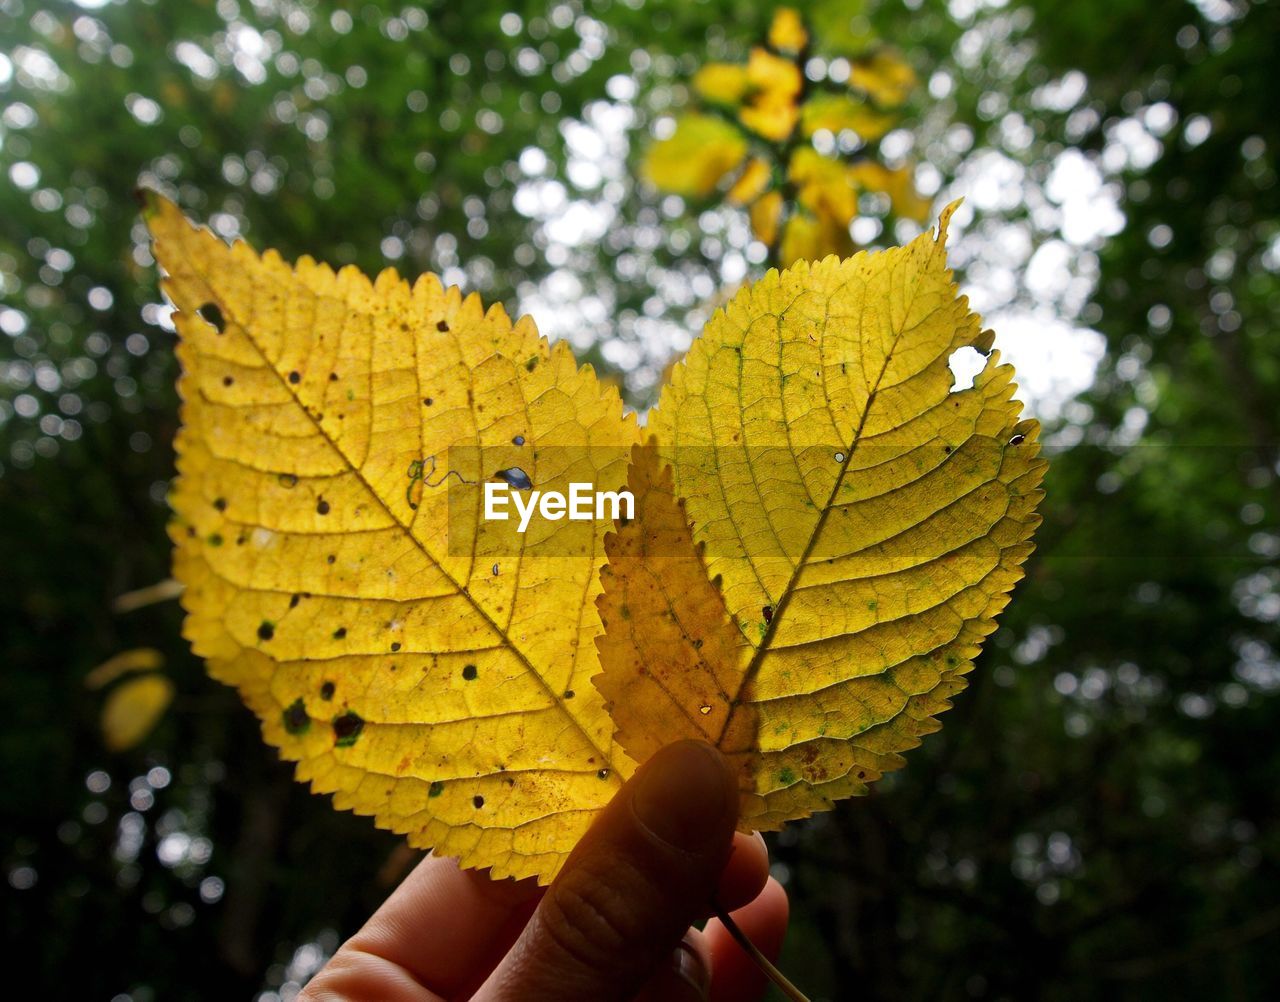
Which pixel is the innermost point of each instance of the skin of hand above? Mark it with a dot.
(615, 924)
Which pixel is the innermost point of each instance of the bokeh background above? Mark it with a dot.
(1098, 818)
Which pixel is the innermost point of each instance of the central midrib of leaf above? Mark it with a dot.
(753, 666)
(613, 776)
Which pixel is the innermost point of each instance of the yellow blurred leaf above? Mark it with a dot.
(823, 185)
(692, 161)
(137, 659)
(751, 183)
(787, 31)
(864, 520)
(774, 75)
(837, 112)
(773, 118)
(898, 184)
(133, 709)
(765, 215)
(885, 77)
(776, 83)
(807, 237)
(722, 83)
(336, 436)
(161, 591)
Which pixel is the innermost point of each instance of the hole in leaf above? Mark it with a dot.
(965, 364)
(211, 314)
(516, 477)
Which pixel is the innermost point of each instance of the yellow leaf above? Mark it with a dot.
(823, 185)
(864, 520)
(416, 662)
(774, 75)
(776, 83)
(722, 83)
(885, 77)
(773, 118)
(765, 216)
(669, 646)
(133, 709)
(787, 30)
(695, 157)
(898, 184)
(135, 660)
(751, 183)
(807, 237)
(837, 112)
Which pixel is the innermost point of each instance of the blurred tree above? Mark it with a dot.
(1098, 817)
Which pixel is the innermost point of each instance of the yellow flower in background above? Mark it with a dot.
(787, 32)
(885, 77)
(722, 83)
(751, 183)
(695, 157)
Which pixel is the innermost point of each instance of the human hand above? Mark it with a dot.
(615, 924)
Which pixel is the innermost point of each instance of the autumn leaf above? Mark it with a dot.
(854, 525)
(898, 184)
(133, 709)
(694, 158)
(335, 433)
(751, 183)
(823, 186)
(807, 236)
(765, 214)
(138, 659)
(776, 83)
(787, 31)
(885, 77)
(722, 83)
(837, 112)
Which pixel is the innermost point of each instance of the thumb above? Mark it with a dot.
(643, 873)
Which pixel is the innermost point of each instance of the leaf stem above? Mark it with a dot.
(760, 960)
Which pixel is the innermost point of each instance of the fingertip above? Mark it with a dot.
(686, 795)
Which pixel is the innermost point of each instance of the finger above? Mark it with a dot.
(745, 875)
(686, 977)
(443, 926)
(642, 874)
(734, 975)
(352, 976)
